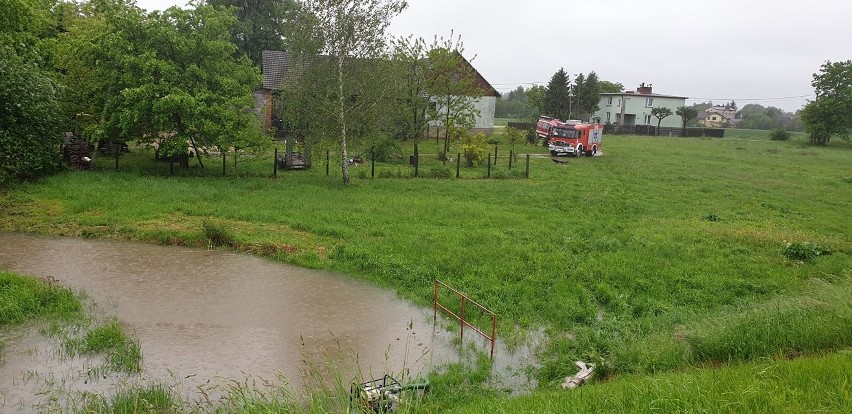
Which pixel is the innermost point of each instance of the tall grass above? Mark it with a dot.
(122, 353)
(817, 384)
(23, 298)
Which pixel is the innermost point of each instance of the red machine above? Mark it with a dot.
(575, 138)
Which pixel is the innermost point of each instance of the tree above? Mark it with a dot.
(610, 87)
(260, 25)
(30, 118)
(536, 96)
(661, 113)
(169, 73)
(349, 33)
(30, 131)
(556, 99)
(686, 113)
(829, 114)
(453, 84)
(587, 95)
(411, 62)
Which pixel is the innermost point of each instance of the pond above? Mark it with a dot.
(203, 315)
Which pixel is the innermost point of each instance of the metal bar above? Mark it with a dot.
(462, 294)
(435, 303)
(493, 333)
(461, 334)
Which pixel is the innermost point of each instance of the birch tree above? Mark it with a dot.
(350, 34)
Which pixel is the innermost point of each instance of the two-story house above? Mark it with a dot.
(630, 108)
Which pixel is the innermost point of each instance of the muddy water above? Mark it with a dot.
(201, 315)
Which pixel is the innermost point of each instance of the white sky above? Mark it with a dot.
(753, 51)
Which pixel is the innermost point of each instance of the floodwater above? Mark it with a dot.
(202, 316)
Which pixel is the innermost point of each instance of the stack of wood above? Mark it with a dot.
(77, 154)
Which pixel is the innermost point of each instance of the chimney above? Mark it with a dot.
(644, 90)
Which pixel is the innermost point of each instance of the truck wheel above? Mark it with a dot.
(594, 150)
(554, 153)
(578, 152)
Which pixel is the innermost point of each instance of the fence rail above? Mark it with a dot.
(461, 316)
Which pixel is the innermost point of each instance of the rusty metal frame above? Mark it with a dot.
(464, 299)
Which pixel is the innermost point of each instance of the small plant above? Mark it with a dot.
(217, 234)
(712, 217)
(779, 135)
(804, 252)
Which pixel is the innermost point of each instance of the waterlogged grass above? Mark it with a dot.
(23, 298)
(152, 399)
(653, 257)
(122, 353)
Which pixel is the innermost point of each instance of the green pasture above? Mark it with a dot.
(662, 255)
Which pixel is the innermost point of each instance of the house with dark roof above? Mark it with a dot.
(280, 67)
(631, 108)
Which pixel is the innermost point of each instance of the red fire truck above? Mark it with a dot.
(575, 138)
(543, 127)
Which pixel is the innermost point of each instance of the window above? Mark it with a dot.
(609, 101)
(607, 117)
(649, 102)
(618, 102)
(647, 119)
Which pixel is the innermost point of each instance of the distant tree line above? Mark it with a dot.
(562, 98)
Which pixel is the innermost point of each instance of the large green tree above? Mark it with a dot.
(556, 100)
(587, 95)
(453, 86)
(30, 121)
(30, 131)
(171, 73)
(830, 114)
(260, 24)
(610, 87)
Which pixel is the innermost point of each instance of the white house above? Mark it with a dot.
(630, 108)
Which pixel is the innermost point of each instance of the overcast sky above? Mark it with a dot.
(753, 51)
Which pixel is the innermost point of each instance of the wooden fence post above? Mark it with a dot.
(458, 163)
(528, 166)
(489, 166)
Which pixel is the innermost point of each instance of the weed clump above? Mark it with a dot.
(218, 235)
(805, 252)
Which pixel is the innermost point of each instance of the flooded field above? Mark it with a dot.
(204, 317)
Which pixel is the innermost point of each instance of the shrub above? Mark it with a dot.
(474, 148)
(384, 148)
(439, 172)
(779, 135)
(804, 252)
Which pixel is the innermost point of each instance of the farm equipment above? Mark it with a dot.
(384, 395)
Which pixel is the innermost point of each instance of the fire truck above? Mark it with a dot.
(575, 138)
(543, 127)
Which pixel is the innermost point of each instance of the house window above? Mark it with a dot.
(609, 102)
(618, 102)
(649, 102)
(607, 115)
(647, 119)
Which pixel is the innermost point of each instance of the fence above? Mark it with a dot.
(461, 316)
(651, 130)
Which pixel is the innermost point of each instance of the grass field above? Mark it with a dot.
(662, 255)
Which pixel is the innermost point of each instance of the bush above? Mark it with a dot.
(474, 148)
(804, 252)
(384, 148)
(439, 172)
(779, 135)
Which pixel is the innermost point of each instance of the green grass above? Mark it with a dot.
(758, 134)
(654, 257)
(23, 298)
(122, 353)
(818, 384)
(151, 399)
